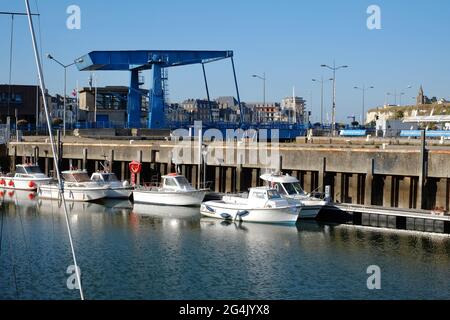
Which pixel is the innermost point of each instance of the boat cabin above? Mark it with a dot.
(75, 176)
(264, 193)
(104, 177)
(175, 182)
(286, 185)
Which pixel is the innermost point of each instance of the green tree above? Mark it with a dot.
(399, 115)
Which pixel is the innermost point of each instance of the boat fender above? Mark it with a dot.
(11, 183)
(2, 182)
(31, 184)
(226, 216)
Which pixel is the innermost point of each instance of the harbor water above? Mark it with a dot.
(151, 252)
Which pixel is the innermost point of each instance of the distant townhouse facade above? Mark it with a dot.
(23, 99)
(201, 110)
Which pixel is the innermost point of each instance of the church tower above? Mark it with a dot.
(421, 97)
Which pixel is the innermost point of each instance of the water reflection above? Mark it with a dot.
(18, 197)
(173, 217)
(161, 252)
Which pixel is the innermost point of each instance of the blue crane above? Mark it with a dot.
(136, 61)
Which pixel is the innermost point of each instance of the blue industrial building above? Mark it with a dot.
(159, 60)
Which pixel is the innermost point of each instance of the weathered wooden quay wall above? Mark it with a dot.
(413, 176)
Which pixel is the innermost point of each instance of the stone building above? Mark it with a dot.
(293, 110)
(422, 98)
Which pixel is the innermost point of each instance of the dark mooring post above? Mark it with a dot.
(59, 147)
(138, 176)
(111, 160)
(422, 171)
(322, 174)
(46, 163)
(368, 183)
(35, 154)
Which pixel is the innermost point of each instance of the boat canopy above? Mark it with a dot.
(279, 178)
(104, 176)
(176, 181)
(76, 176)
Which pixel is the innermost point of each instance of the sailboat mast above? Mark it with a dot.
(52, 143)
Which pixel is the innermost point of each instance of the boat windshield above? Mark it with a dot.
(293, 188)
(109, 177)
(182, 181)
(20, 170)
(273, 194)
(76, 177)
(33, 169)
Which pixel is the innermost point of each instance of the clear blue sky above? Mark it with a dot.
(287, 39)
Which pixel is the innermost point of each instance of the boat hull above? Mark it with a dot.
(12, 183)
(309, 209)
(309, 212)
(119, 193)
(187, 198)
(281, 215)
(72, 193)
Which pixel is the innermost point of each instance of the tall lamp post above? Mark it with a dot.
(93, 82)
(65, 66)
(263, 78)
(333, 116)
(387, 99)
(321, 81)
(403, 93)
(363, 89)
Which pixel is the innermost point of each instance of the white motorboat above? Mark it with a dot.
(27, 177)
(116, 188)
(175, 190)
(262, 205)
(77, 187)
(290, 189)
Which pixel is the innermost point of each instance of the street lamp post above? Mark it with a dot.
(95, 100)
(403, 93)
(333, 116)
(387, 99)
(321, 81)
(65, 66)
(263, 78)
(363, 89)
